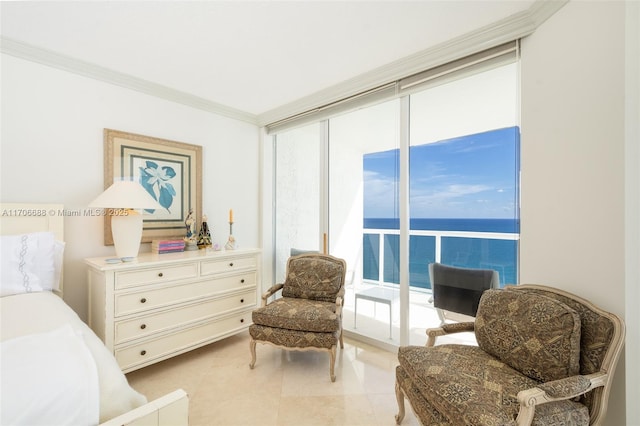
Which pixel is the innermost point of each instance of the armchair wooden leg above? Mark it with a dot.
(400, 398)
(252, 348)
(332, 363)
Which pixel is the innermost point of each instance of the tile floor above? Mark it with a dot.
(284, 388)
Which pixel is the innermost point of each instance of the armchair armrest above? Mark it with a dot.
(270, 292)
(444, 329)
(340, 301)
(557, 390)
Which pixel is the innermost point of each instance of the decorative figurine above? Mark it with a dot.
(231, 242)
(190, 240)
(204, 239)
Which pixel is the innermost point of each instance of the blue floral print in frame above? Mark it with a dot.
(171, 172)
(157, 180)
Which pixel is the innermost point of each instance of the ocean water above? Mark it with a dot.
(486, 253)
(447, 224)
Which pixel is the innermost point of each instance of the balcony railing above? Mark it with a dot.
(487, 250)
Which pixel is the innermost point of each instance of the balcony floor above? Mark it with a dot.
(372, 324)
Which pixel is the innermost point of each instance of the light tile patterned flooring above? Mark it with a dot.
(284, 388)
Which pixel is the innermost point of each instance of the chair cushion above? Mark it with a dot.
(534, 334)
(313, 277)
(597, 330)
(293, 338)
(298, 314)
(468, 386)
(422, 408)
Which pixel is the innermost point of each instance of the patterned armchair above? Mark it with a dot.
(544, 357)
(308, 316)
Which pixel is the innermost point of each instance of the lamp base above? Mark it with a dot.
(127, 233)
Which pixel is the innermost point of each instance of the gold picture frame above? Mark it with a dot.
(170, 171)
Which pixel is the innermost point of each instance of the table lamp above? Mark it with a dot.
(127, 197)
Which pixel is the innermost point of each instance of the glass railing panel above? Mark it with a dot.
(392, 258)
(483, 253)
(497, 251)
(422, 252)
(371, 257)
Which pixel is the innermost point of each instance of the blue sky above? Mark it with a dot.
(472, 176)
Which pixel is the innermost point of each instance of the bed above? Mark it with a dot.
(55, 370)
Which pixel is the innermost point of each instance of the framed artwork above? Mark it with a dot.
(171, 172)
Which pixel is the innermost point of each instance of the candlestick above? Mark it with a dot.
(231, 242)
(231, 216)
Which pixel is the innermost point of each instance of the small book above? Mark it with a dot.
(168, 245)
(174, 250)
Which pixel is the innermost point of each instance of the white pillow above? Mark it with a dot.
(27, 263)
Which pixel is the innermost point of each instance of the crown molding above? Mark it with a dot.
(87, 69)
(511, 28)
(541, 10)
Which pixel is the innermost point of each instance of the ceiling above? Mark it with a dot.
(250, 56)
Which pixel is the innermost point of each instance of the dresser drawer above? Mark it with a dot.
(227, 265)
(155, 275)
(149, 324)
(140, 301)
(170, 344)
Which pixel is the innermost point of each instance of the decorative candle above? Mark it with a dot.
(231, 216)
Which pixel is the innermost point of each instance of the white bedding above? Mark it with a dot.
(44, 313)
(48, 379)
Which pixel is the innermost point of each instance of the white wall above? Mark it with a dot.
(632, 226)
(52, 151)
(573, 159)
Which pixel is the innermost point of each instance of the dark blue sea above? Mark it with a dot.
(485, 253)
(446, 224)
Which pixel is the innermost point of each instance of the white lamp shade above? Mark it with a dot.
(126, 228)
(125, 194)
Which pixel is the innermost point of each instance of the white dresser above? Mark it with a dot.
(161, 305)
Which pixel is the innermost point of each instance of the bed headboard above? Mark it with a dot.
(22, 218)
(19, 218)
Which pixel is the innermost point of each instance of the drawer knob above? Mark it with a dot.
(231, 264)
(143, 352)
(242, 281)
(241, 319)
(143, 300)
(241, 300)
(143, 326)
(160, 274)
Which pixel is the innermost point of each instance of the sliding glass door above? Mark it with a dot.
(464, 162)
(297, 219)
(362, 188)
(456, 147)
